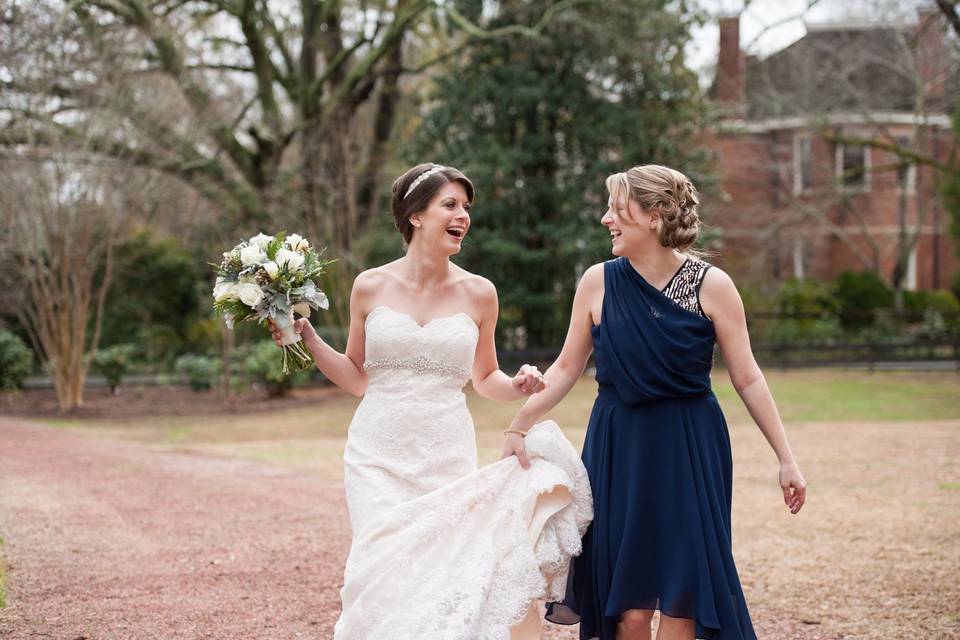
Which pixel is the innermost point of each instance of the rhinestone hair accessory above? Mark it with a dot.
(423, 176)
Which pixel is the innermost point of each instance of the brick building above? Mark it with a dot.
(802, 196)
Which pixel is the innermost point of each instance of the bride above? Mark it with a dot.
(442, 549)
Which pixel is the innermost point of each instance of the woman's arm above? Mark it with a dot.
(722, 304)
(568, 367)
(343, 369)
(488, 380)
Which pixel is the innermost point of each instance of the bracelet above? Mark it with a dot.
(517, 431)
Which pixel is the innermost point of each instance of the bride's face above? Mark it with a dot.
(444, 223)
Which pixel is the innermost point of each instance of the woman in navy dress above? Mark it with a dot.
(657, 448)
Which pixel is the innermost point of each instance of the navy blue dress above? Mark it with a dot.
(658, 455)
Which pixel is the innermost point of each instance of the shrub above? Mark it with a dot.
(859, 296)
(201, 371)
(113, 363)
(803, 331)
(262, 362)
(16, 360)
(805, 297)
(938, 311)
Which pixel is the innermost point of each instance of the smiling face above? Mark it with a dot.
(446, 219)
(629, 225)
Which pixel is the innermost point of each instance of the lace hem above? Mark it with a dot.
(469, 561)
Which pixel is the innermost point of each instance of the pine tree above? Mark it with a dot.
(539, 124)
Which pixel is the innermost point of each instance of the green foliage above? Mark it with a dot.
(806, 297)
(539, 124)
(262, 362)
(205, 335)
(804, 330)
(16, 360)
(938, 312)
(950, 189)
(154, 297)
(860, 296)
(202, 371)
(805, 311)
(113, 363)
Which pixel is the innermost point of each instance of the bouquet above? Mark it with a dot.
(268, 278)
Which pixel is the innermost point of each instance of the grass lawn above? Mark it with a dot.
(873, 554)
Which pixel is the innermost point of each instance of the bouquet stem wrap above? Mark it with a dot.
(296, 356)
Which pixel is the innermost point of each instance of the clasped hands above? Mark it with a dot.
(529, 380)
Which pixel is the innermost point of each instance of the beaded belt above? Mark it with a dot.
(420, 364)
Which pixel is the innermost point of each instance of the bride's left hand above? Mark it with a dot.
(529, 380)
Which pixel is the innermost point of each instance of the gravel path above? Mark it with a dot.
(110, 540)
(107, 539)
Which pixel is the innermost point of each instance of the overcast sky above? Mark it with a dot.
(770, 25)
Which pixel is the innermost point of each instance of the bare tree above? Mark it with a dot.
(265, 108)
(61, 221)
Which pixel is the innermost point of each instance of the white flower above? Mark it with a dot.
(249, 294)
(292, 259)
(228, 320)
(251, 255)
(224, 290)
(297, 242)
(261, 241)
(272, 268)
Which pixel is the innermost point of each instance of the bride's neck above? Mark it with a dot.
(425, 269)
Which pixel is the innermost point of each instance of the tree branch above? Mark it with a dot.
(263, 68)
(139, 16)
(885, 145)
(949, 9)
(536, 31)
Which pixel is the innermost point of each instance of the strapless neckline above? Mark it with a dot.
(459, 314)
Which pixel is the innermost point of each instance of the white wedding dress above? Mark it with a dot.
(443, 550)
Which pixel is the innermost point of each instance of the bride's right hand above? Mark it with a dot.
(513, 446)
(300, 325)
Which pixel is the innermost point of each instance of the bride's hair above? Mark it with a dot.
(669, 192)
(413, 191)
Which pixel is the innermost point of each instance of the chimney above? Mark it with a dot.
(931, 57)
(730, 82)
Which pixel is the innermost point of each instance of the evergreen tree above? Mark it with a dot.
(538, 125)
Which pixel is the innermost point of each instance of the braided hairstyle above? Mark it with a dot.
(669, 192)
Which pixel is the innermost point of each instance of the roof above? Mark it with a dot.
(838, 68)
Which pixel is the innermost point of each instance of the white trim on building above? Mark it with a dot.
(766, 125)
(802, 158)
(910, 280)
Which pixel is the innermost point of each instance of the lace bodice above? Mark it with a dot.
(440, 351)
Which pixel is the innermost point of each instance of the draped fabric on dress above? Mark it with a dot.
(658, 455)
(441, 549)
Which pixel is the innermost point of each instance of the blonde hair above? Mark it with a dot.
(670, 193)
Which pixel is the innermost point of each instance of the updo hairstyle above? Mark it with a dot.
(667, 191)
